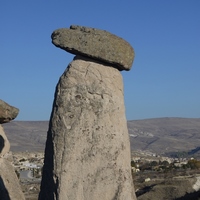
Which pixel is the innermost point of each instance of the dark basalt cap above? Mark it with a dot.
(94, 43)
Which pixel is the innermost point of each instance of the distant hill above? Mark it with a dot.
(166, 135)
(158, 135)
(26, 135)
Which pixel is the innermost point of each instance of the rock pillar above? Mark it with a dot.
(87, 155)
(9, 184)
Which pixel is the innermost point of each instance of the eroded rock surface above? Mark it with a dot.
(7, 112)
(9, 183)
(98, 44)
(87, 154)
(4, 143)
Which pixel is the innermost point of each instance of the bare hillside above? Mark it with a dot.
(165, 135)
(161, 135)
(26, 135)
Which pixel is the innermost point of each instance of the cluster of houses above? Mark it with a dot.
(28, 166)
(142, 161)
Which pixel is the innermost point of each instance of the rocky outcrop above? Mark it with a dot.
(9, 183)
(7, 112)
(94, 43)
(4, 143)
(178, 187)
(87, 154)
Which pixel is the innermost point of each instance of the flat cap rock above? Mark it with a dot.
(7, 112)
(94, 43)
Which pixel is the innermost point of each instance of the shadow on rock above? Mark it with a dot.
(1, 143)
(3, 191)
(144, 190)
(190, 196)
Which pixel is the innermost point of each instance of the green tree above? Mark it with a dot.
(133, 164)
(194, 164)
(165, 163)
(154, 163)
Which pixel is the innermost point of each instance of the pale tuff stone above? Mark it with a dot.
(4, 143)
(9, 183)
(87, 155)
(7, 112)
(97, 44)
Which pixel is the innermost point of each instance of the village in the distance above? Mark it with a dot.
(147, 168)
(28, 165)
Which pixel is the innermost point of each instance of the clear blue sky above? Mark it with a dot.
(163, 82)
